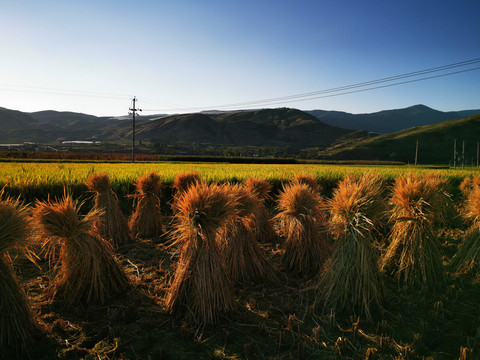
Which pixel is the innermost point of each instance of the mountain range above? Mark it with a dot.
(334, 134)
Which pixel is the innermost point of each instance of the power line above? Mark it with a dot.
(320, 93)
(64, 92)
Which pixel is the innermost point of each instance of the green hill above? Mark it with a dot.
(435, 144)
(388, 121)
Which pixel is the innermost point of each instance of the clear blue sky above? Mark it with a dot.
(93, 56)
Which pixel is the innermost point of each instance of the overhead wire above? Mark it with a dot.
(337, 91)
(341, 89)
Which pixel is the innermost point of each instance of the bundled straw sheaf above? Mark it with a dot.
(467, 258)
(201, 289)
(351, 282)
(18, 324)
(303, 224)
(111, 224)
(468, 184)
(244, 258)
(413, 256)
(307, 180)
(146, 220)
(260, 188)
(88, 272)
(184, 180)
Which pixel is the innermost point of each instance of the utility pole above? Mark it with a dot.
(478, 151)
(455, 153)
(463, 153)
(134, 111)
(416, 153)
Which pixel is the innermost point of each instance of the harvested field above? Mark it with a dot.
(277, 320)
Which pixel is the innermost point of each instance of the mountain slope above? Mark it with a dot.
(269, 127)
(435, 144)
(390, 120)
(12, 119)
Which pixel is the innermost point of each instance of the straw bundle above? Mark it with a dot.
(184, 180)
(260, 188)
(88, 271)
(17, 322)
(302, 222)
(467, 258)
(146, 220)
(201, 288)
(352, 281)
(468, 184)
(244, 258)
(413, 255)
(111, 224)
(307, 180)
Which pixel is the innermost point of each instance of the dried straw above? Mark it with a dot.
(244, 258)
(18, 324)
(467, 258)
(352, 282)
(468, 184)
(184, 180)
(303, 223)
(260, 188)
(112, 224)
(413, 256)
(201, 289)
(88, 272)
(307, 180)
(146, 220)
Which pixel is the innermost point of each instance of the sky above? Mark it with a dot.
(188, 55)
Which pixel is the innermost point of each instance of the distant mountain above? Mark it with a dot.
(388, 121)
(12, 119)
(268, 127)
(280, 127)
(435, 144)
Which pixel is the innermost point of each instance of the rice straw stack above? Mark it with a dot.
(352, 282)
(18, 324)
(201, 289)
(88, 272)
(112, 224)
(146, 220)
(307, 180)
(244, 258)
(303, 224)
(467, 258)
(413, 255)
(260, 188)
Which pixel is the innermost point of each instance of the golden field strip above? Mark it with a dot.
(20, 174)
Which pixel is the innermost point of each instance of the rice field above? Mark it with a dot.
(30, 179)
(329, 277)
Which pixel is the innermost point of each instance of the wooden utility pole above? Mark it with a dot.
(463, 153)
(478, 150)
(134, 112)
(416, 153)
(455, 153)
